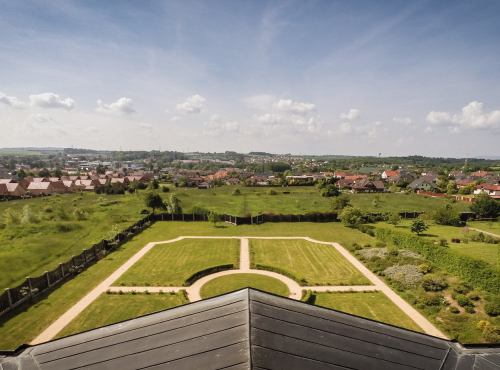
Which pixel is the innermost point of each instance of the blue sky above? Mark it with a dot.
(316, 77)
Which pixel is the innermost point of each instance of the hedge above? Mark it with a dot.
(183, 296)
(478, 273)
(299, 279)
(306, 296)
(208, 271)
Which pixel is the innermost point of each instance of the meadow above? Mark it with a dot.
(319, 264)
(229, 283)
(171, 264)
(371, 305)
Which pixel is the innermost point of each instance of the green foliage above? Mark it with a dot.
(485, 206)
(491, 334)
(454, 310)
(447, 216)
(307, 296)
(213, 217)
(79, 215)
(199, 209)
(165, 189)
(341, 202)
(153, 200)
(269, 191)
(425, 268)
(28, 216)
(462, 288)
(12, 217)
(299, 279)
(330, 191)
(463, 300)
(434, 283)
(183, 296)
(418, 226)
(205, 272)
(394, 218)
(236, 192)
(492, 308)
(476, 272)
(173, 205)
(470, 309)
(62, 214)
(351, 216)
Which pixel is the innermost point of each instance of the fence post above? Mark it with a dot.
(162, 216)
(73, 260)
(8, 296)
(172, 216)
(29, 285)
(251, 220)
(62, 269)
(193, 217)
(204, 216)
(47, 276)
(85, 255)
(182, 216)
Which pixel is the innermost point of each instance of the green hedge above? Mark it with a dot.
(474, 271)
(306, 296)
(208, 271)
(183, 296)
(299, 279)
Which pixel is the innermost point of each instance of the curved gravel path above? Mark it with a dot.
(194, 290)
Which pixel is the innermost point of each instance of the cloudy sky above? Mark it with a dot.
(313, 77)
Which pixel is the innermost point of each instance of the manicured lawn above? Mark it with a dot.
(229, 283)
(491, 227)
(112, 308)
(31, 249)
(484, 251)
(170, 264)
(319, 264)
(372, 305)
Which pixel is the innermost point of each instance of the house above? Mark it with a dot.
(124, 181)
(41, 188)
(232, 181)
(367, 186)
(389, 173)
(70, 186)
(493, 191)
(423, 184)
(249, 330)
(478, 189)
(15, 189)
(204, 185)
(3, 189)
(457, 175)
(58, 186)
(344, 183)
(463, 183)
(481, 174)
(339, 174)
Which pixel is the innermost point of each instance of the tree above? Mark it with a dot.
(485, 206)
(447, 216)
(418, 226)
(341, 202)
(351, 216)
(451, 188)
(153, 200)
(213, 217)
(394, 218)
(173, 205)
(330, 191)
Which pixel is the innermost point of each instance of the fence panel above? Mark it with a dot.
(16, 293)
(55, 275)
(79, 260)
(66, 266)
(39, 283)
(4, 302)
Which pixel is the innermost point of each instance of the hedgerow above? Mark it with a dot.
(474, 271)
(306, 296)
(299, 279)
(208, 271)
(183, 296)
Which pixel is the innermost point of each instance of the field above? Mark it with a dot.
(484, 251)
(170, 264)
(229, 283)
(372, 305)
(112, 308)
(319, 264)
(30, 249)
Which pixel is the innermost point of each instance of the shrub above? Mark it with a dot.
(470, 309)
(430, 299)
(199, 209)
(425, 268)
(144, 211)
(392, 250)
(482, 324)
(165, 189)
(394, 218)
(330, 191)
(356, 246)
(418, 226)
(28, 216)
(269, 191)
(299, 279)
(367, 245)
(183, 296)
(462, 288)
(341, 202)
(351, 216)
(380, 245)
(454, 310)
(48, 209)
(463, 300)
(307, 296)
(236, 192)
(474, 296)
(491, 334)
(62, 214)
(433, 283)
(79, 215)
(208, 271)
(443, 242)
(447, 216)
(492, 308)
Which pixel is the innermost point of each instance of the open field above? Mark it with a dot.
(31, 249)
(319, 264)
(492, 227)
(111, 308)
(24, 323)
(372, 305)
(484, 251)
(229, 283)
(170, 264)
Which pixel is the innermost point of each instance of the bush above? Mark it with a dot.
(236, 192)
(269, 191)
(299, 279)
(425, 268)
(48, 209)
(492, 308)
(447, 216)
(474, 296)
(351, 216)
(454, 310)
(491, 334)
(394, 218)
(430, 299)
(307, 296)
(183, 296)
(463, 300)
(392, 251)
(330, 191)
(443, 242)
(380, 245)
(79, 215)
(433, 283)
(462, 288)
(470, 309)
(208, 271)
(165, 189)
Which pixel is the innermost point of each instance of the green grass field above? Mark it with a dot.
(111, 308)
(170, 264)
(319, 264)
(372, 305)
(229, 283)
(31, 249)
(486, 252)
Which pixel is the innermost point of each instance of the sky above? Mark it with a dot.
(357, 77)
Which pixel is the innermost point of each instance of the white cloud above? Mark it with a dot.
(260, 101)
(471, 117)
(428, 130)
(216, 126)
(352, 115)
(269, 118)
(12, 101)
(92, 129)
(121, 106)
(193, 104)
(294, 107)
(402, 120)
(50, 100)
(403, 141)
(147, 126)
(370, 130)
(40, 117)
(175, 119)
(345, 128)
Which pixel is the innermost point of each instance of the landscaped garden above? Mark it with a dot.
(229, 283)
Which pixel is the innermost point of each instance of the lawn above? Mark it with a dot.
(484, 251)
(112, 308)
(229, 283)
(372, 305)
(170, 264)
(31, 249)
(319, 264)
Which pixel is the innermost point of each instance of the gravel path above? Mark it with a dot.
(194, 290)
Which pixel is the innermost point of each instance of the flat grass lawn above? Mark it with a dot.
(319, 264)
(484, 251)
(24, 323)
(111, 308)
(31, 249)
(372, 305)
(172, 263)
(229, 283)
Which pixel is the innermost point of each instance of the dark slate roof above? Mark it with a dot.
(250, 329)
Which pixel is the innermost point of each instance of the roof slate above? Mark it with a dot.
(250, 329)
